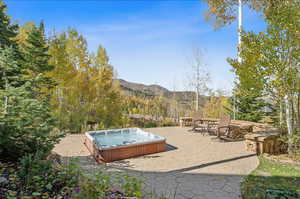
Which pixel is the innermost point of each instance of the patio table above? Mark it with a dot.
(185, 121)
(210, 122)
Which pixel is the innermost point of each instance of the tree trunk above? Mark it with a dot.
(293, 112)
(298, 111)
(6, 94)
(281, 115)
(197, 100)
(288, 121)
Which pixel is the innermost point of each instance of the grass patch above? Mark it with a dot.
(272, 176)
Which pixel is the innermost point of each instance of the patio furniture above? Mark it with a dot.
(238, 131)
(185, 121)
(222, 128)
(198, 123)
(212, 124)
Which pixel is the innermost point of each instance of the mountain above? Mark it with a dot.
(142, 90)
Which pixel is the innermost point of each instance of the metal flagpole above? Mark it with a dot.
(240, 26)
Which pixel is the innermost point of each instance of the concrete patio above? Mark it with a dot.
(194, 166)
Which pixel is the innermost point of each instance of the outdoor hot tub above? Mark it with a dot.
(118, 144)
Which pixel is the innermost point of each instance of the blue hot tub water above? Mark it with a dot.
(121, 137)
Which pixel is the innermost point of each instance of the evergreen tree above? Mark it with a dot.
(36, 58)
(7, 30)
(25, 122)
(25, 118)
(249, 105)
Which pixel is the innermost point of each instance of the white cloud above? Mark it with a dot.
(145, 29)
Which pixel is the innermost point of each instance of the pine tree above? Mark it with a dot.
(249, 105)
(25, 122)
(25, 119)
(36, 58)
(7, 30)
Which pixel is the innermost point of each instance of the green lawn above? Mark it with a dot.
(273, 177)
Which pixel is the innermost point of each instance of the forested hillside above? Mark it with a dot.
(150, 91)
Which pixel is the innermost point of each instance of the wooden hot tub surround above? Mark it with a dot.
(104, 155)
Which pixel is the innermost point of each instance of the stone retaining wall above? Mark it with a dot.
(260, 138)
(264, 139)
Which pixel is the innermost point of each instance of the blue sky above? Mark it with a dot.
(149, 42)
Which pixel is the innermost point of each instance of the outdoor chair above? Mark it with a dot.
(198, 124)
(223, 127)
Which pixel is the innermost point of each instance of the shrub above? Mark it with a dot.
(168, 123)
(38, 178)
(93, 186)
(101, 184)
(35, 178)
(31, 167)
(131, 186)
(150, 125)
